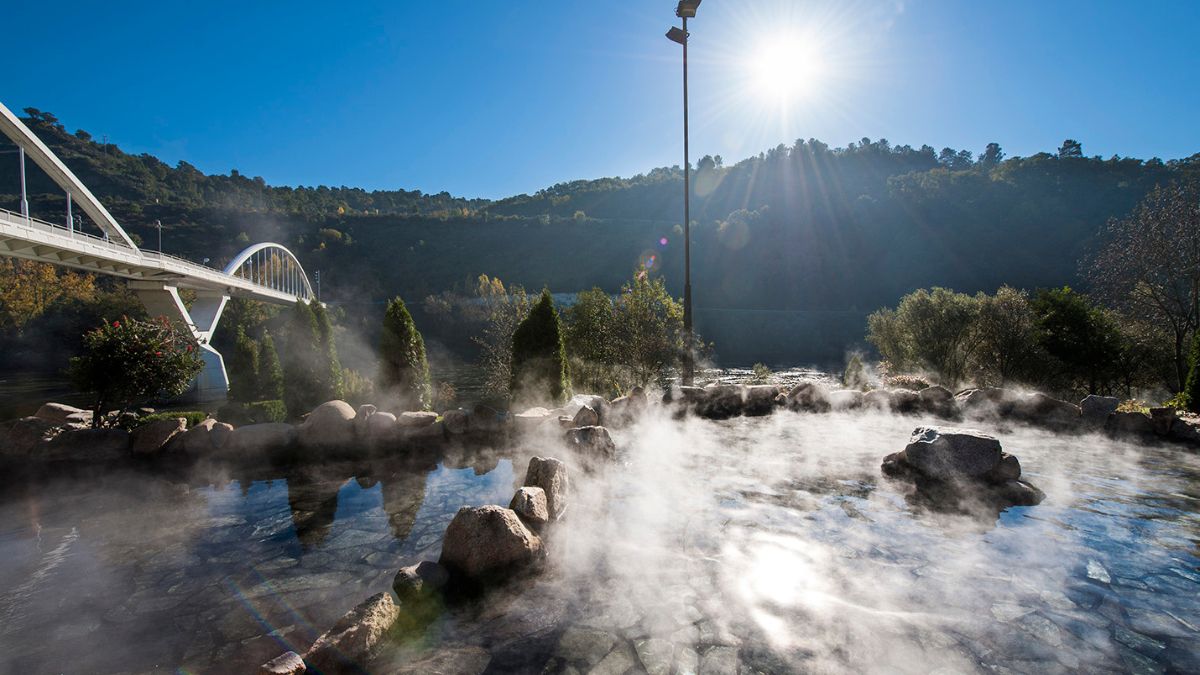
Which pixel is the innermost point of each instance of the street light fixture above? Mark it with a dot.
(686, 10)
(159, 224)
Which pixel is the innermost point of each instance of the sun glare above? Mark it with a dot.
(783, 68)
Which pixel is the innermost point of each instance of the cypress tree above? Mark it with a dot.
(404, 371)
(329, 369)
(1191, 388)
(243, 367)
(270, 373)
(539, 361)
(300, 362)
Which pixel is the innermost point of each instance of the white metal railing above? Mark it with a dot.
(164, 260)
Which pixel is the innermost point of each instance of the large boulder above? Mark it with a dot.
(64, 415)
(256, 438)
(203, 438)
(347, 646)
(1130, 423)
(417, 581)
(722, 401)
(416, 419)
(591, 442)
(845, 399)
(362, 419)
(759, 399)
(986, 402)
(287, 663)
(530, 504)
(329, 426)
(1186, 430)
(586, 416)
(625, 409)
(87, 445)
(381, 425)
(1045, 411)
(598, 404)
(532, 418)
(152, 438)
(485, 544)
(456, 421)
(809, 397)
(22, 436)
(937, 400)
(1096, 409)
(1162, 419)
(550, 475)
(948, 453)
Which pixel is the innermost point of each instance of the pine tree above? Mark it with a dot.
(270, 373)
(404, 371)
(1192, 388)
(301, 359)
(539, 361)
(242, 367)
(329, 369)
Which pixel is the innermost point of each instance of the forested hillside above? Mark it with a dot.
(792, 248)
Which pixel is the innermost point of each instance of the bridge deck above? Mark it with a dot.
(34, 239)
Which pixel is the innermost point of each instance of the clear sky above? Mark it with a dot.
(490, 99)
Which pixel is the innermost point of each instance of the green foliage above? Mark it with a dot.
(403, 370)
(193, 417)
(270, 373)
(357, 388)
(903, 381)
(1079, 337)
(302, 359)
(855, 375)
(255, 412)
(760, 373)
(1191, 389)
(649, 329)
(589, 335)
(127, 361)
(1007, 338)
(329, 369)
(929, 330)
(539, 359)
(242, 367)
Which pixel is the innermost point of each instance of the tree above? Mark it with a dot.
(301, 361)
(28, 289)
(403, 371)
(128, 361)
(329, 368)
(591, 342)
(270, 373)
(1070, 148)
(503, 310)
(1081, 339)
(243, 368)
(992, 156)
(539, 360)
(929, 330)
(1007, 338)
(649, 328)
(1192, 387)
(1149, 265)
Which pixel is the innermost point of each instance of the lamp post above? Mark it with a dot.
(685, 10)
(159, 224)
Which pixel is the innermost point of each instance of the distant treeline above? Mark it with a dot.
(801, 231)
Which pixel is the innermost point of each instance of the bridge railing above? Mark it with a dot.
(34, 223)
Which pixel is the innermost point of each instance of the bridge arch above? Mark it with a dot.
(274, 266)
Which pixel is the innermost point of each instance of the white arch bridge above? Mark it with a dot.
(266, 272)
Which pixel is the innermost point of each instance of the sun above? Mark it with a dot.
(783, 68)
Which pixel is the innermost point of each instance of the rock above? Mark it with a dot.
(550, 475)
(287, 663)
(256, 438)
(88, 445)
(153, 437)
(61, 414)
(877, 399)
(625, 409)
(1186, 430)
(686, 394)
(722, 401)
(381, 425)
(1162, 419)
(1008, 468)
(329, 426)
(1046, 411)
(845, 399)
(989, 401)
(1018, 493)
(597, 403)
(530, 504)
(456, 421)
(448, 661)
(421, 418)
(347, 645)
(937, 400)
(592, 442)
(487, 419)
(365, 411)
(198, 440)
(531, 418)
(808, 397)
(586, 417)
(1129, 424)
(1096, 409)
(950, 454)
(422, 579)
(488, 543)
(905, 400)
(759, 399)
(22, 436)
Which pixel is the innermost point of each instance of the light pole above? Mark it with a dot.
(159, 224)
(685, 10)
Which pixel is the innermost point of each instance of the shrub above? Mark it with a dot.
(243, 368)
(649, 329)
(403, 371)
(256, 412)
(193, 417)
(760, 373)
(357, 388)
(539, 360)
(130, 360)
(929, 330)
(1191, 388)
(914, 382)
(855, 375)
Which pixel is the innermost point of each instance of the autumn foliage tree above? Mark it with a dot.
(128, 361)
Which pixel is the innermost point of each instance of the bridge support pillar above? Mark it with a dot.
(212, 384)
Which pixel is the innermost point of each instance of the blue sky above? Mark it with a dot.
(490, 99)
